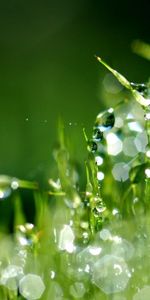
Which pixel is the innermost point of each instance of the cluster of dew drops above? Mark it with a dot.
(121, 137)
(112, 263)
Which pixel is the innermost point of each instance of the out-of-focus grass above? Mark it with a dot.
(82, 241)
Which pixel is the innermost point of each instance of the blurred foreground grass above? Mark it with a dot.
(90, 240)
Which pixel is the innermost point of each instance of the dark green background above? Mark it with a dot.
(47, 69)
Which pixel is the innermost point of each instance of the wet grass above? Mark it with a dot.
(69, 241)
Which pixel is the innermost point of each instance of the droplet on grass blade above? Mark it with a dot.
(105, 120)
(31, 287)
(111, 274)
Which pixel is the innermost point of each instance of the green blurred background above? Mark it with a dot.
(48, 69)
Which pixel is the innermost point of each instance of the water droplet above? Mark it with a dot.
(120, 171)
(140, 87)
(15, 184)
(97, 134)
(105, 120)
(144, 293)
(111, 274)
(31, 287)
(27, 119)
(77, 290)
(92, 146)
(66, 239)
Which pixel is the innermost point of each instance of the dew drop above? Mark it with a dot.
(105, 120)
(92, 146)
(97, 134)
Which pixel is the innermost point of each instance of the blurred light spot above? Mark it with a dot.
(119, 122)
(52, 274)
(147, 173)
(10, 276)
(114, 144)
(144, 293)
(66, 239)
(141, 141)
(129, 147)
(111, 85)
(99, 160)
(115, 211)
(95, 250)
(77, 290)
(134, 126)
(123, 249)
(100, 175)
(148, 153)
(105, 234)
(120, 171)
(147, 116)
(14, 184)
(31, 287)
(111, 274)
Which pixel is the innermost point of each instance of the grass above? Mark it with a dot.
(84, 243)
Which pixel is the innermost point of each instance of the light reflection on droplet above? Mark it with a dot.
(147, 116)
(14, 184)
(114, 144)
(52, 274)
(120, 171)
(5, 193)
(135, 126)
(95, 250)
